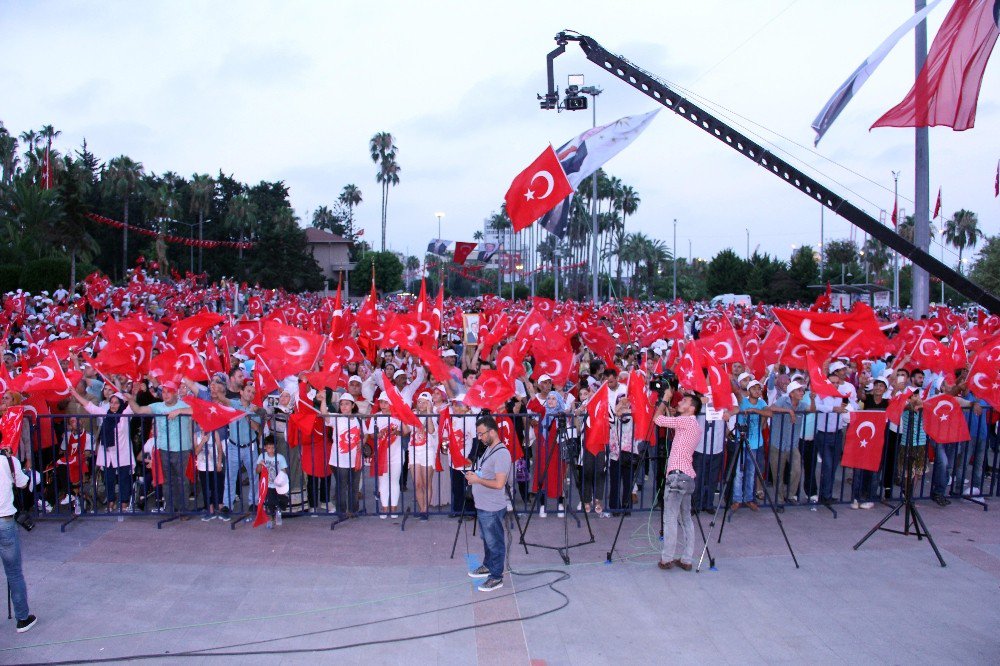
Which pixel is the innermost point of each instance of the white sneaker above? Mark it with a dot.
(561, 511)
(579, 506)
(277, 518)
(867, 505)
(975, 492)
(814, 499)
(383, 516)
(855, 505)
(65, 500)
(541, 511)
(510, 507)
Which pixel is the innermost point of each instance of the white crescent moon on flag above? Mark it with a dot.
(727, 346)
(866, 425)
(549, 181)
(805, 330)
(673, 326)
(715, 373)
(799, 351)
(921, 347)
(48, 372)
(942, 404)
(976, 379)
(558, 368)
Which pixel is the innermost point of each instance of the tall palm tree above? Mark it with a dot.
(163, 201)
(8, 155)
(350, 196)
(121, 177)
(876, 255)
(241, 215)
(30, 139)
(383, 151)
(48, 133)
(962, 231)
(202, 194)
(324, 218)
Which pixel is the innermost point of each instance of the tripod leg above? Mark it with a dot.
(458, 530)
(621, 517)
(892, 512)
(920, 520)
(711, 560)
(774, 510)
(517, 521)
(722, 506)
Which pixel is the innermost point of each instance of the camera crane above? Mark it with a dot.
(657, 90)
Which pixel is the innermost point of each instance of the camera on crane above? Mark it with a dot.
(574, 100)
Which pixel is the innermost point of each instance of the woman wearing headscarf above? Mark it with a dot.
(114, 450)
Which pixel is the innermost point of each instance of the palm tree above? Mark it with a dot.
(30, 139)
(350, 196)
(241, 215)
(630, 252)
(962, 231)
(324, 218)
(8, 155)
(876, 255)
(48, 133)
(383, 151)
(163, 201)
(412, 266)
(202, 194)
(121, 177)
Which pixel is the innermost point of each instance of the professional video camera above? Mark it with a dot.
(660, 382)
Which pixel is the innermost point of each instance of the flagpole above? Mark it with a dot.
(921, 218)
(895, 255)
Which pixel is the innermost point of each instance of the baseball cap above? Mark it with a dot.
(544, 378)
(347, 396)
(355, 378)
(424, 395)
(744, 375)
(459, 398)
(837, 365)
(793, 385)
(448, 352)
(753, 383)
(398, 373)
(169, 385)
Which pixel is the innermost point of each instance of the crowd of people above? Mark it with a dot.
(176, 398)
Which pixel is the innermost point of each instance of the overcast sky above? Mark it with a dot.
(294, 90)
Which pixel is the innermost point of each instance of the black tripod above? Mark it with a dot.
(566, 454)
(911, 517)
(739, 457)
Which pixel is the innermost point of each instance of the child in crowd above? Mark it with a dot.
(277, 480)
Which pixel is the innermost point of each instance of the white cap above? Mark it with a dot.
(348, 397)
(744, 375)
(448, 352)
(398, 373)
(424, 395)
(355, 378)
(793, 385)
(459, 398)
(544, 378)
(836, 365)
(754, 383)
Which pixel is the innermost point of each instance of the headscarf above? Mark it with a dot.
(552, 412)
(109, 426)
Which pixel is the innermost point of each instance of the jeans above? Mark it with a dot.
(677, 509)
(10, 553)
(236, 458)
(212, 487)
(707, 466)
(943, 454)
(122, 478)
(753, 459)
(491, 529)
(828, 445)
(863, 486)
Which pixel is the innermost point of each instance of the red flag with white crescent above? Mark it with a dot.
(261, 517)
(944, 421)
(537, 190)
(864, 439)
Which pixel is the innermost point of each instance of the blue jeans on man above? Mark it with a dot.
(828, 447)
(237, 457)
(746, 474)
(491, 529)
(943, 456)
(10, 553)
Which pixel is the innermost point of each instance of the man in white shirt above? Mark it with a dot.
(830, 426)
(10, 544)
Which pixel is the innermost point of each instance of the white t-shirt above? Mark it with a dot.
(6, 491)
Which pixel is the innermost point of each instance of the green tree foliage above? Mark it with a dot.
(803, 270)
(287, 262)
(388, 273)
(726, 274)
(986, 269)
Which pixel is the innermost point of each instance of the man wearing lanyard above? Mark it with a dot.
(488, 479)
(240, 451)
(680, 480)
(10, 544)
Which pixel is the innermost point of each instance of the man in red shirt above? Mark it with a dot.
(680, 480)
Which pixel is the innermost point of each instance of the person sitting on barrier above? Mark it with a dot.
(680, 480)
(275, 463)
(387, 463)
(424, 451)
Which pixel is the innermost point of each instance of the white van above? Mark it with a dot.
(726, 300)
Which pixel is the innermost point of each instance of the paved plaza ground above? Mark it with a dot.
(105, 590)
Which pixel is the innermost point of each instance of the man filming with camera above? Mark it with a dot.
(487, 479)
(680, 481)
(11, 475)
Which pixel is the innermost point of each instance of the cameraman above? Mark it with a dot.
(680, 478)
(10, 544)
(488, 479)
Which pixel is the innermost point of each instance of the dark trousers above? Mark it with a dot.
(459, 502)
(707, 467)
(593, 476)
(622, 473)
(118, 484)
(828, 444)
(346, 495)
(318, 491)
(213, 485)
(807, 447)
(889, 461)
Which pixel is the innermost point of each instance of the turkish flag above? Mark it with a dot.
(598, 424)
(720, 387)
(10, 428)
(189, 331)
(289, 350)
(211, 415)
(825, 331)
(453, 438)
(537, 190)
(399, 408)
(929, 354)
(462, 251)
(673, 327)
(957, 353)
(894, 412)
(984, 380)
(510, 359)
(597, 338)
(690, 373)
(819, 384)
(342, 352)
(491, 390)
(545, 306)
(263, 381)
(944, 421)
(947, 88)
(261, 517)
(642, 406)
(508, 435)
(304, 425)
(724, 346)
(255, 307)
(46, 376)
(864, 440)
(937, 206)
(5, 379)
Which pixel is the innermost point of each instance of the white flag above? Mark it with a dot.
(587, 153)
(854, 82)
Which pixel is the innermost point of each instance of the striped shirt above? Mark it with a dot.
(687, 437)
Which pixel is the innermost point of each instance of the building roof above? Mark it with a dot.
(314, 235)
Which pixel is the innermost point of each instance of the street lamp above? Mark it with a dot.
(593, 91)
(439, 215)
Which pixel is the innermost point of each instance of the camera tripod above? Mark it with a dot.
(562, 456)
(911, 517)
(739, 457)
